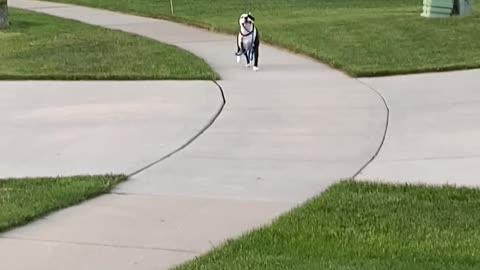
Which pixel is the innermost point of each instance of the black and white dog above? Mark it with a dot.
(248, 41)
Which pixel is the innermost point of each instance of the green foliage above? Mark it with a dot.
(363, 226)
(362, 37)
(38, 46)
(26, 199)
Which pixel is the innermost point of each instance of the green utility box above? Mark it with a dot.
(437, 8)
(446, 8)
(462, 7)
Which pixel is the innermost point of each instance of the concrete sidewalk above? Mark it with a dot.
(434, 130)
(285, 134)
(98, 127)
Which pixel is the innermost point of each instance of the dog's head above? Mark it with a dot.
(246, 22)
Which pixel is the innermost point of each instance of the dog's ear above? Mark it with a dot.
(251, 17)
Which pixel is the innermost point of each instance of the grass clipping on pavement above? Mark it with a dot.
(37, 46)
(23, 200)
(363, 226)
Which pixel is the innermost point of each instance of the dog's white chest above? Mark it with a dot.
(247, 41)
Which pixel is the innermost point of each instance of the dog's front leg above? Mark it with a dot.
(240, 49)
(248, 58)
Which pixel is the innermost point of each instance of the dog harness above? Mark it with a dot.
(252, 43)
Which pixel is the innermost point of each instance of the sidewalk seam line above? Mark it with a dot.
(387, 123)
(191, 140)
(98, 244)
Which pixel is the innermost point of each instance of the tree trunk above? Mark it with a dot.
(3, 14)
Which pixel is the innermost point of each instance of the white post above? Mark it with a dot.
(171, 6)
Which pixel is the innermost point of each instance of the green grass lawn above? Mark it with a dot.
(23, 200)
(362, 37)
(363, 226)
(43, 47)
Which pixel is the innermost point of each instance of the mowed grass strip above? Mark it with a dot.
(363, 226)
(362, 37)
(38, 46)
(24, 200)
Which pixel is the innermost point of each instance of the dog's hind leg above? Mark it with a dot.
(256, 50)
(247, 56)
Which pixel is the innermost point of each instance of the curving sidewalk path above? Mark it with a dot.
(434, 129)
(98, 127)
(283, 135)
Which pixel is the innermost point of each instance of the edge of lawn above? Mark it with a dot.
(112, 180)
(79, 77)
(187, 264)
(268, 40)
(325, 60)
(200, 259)
(117, 77)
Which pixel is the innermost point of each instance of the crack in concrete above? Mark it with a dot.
(101, 245)
(430, 158)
